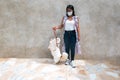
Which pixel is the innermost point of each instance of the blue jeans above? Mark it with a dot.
(70, 42)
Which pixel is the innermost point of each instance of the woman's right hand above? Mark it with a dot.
(54, 28)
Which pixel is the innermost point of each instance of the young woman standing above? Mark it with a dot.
(70, 22)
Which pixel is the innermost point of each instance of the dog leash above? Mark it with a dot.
(55, 37)
(55, 34)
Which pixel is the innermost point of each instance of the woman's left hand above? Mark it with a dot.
(78, 38)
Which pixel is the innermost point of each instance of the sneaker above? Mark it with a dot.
(72, 64)
(67, 62)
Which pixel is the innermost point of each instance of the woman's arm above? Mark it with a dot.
(78, 30)
(60, 26)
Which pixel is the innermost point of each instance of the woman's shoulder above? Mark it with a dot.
(76, 17)
(64, 17)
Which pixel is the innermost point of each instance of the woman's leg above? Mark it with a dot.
(72, 45)
(67, 43)
(72, 51)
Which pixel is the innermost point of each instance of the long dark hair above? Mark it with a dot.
(70, 7)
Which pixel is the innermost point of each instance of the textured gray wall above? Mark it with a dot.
(25, 27)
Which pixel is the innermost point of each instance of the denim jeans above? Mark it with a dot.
(70, 42)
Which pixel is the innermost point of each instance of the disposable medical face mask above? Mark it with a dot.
(70, 13)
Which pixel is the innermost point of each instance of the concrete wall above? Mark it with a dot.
(25, 27)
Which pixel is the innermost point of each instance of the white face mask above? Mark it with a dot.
(70, 13)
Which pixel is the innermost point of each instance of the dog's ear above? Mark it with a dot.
(58, 40)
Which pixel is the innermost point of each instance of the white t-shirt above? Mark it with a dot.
(70, 25)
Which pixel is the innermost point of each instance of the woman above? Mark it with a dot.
(70, 22)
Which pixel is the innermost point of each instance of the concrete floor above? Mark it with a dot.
(45, 69)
